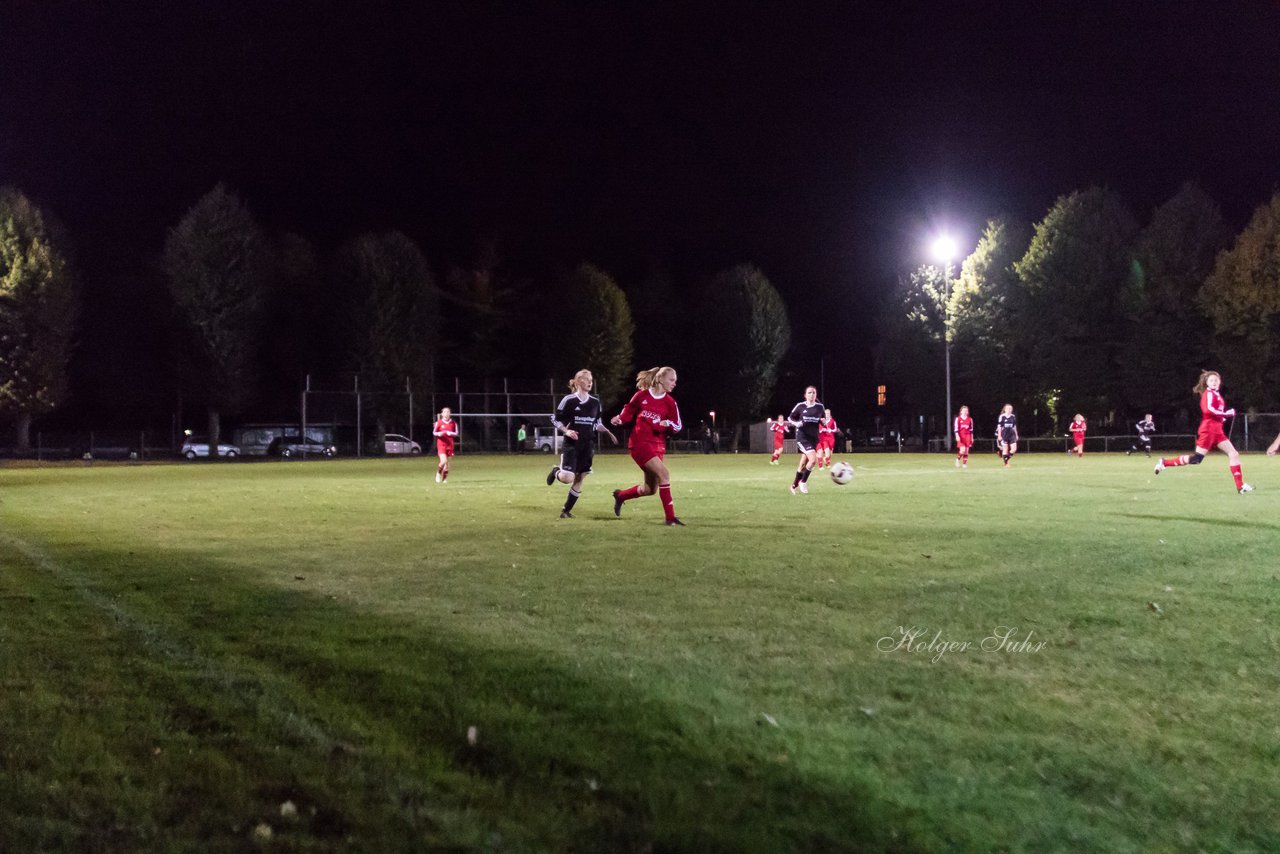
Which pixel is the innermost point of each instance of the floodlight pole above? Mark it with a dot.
(946, 344)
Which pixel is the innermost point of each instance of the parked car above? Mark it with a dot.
(293, 446)
(544, 440)
(193, 448)
(397, 444)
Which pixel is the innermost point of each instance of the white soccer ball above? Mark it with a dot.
(842, 473)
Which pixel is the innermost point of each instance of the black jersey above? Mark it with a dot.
(805, 417)
(1007, 427)
(1145, 428)
(582, 416)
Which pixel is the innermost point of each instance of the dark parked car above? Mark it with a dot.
(294, 446)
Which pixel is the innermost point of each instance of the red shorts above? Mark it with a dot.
(965, 441)
(1079, 437)
(443, 447)
(642, 454)
(1210, 435)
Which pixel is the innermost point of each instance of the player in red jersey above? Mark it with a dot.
(1078, 429)
(963, 428)
(656, 414)
(779, 430)
(446, 432)
(1213, 412)
(826, 438)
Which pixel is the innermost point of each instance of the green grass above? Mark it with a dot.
(186, 648)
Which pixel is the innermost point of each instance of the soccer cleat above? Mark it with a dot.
(793, 489)
(438, 477)
(1244, 487)
(804, 487)
(965, 466)
(617, 502)
(675, 520)
(565, 514)
(1159, 466)
(551, 478)
(957, 464)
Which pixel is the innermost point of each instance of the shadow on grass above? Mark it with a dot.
(372, 715)
(1204, 520)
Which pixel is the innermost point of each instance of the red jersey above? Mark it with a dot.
(779, 430)
(1213, 409)
(1213, 406)
(445, 433)
(1078, 429)
(827, 433)
(963, 428)
(656, 415)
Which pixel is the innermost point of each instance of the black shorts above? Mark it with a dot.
(1008, 437)
(805, 444)
(576, 457)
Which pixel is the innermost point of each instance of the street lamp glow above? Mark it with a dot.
(944, 249)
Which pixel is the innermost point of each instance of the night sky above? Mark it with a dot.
(823, 142)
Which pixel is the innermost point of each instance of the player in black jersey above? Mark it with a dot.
(1007, 430)
(1146, 427)
(805, 418)
(577, 417)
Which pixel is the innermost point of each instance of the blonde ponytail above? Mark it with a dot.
(648, 379)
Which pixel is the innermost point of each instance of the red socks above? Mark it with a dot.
(668, 508)
(664, 493)
(1238, 475)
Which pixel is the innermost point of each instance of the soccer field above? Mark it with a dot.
(343, 655)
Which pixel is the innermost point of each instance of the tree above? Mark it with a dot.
(305, 329)
(599, 333)
(1242, 299)
(1079, 273)
(39, 307)
(394, 313)
(989, 349)
(1171, 338)
(662, 317)
(745, 344)
(909, 345)
(218, 264)
(486, 312)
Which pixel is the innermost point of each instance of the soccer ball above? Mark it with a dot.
(842, 473)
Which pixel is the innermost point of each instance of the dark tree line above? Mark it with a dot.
(252, 314)
(1090, 311)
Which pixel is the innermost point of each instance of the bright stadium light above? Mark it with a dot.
(944, 249)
